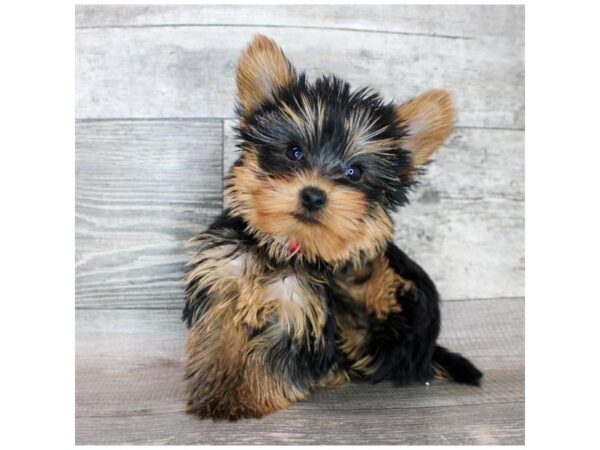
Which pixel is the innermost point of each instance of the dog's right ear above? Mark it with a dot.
(262, 69)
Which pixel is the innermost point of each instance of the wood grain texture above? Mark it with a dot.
(441, 20)
(142, 189)
(465, 223)
(499, 424)
(189, 71)
(129, 389)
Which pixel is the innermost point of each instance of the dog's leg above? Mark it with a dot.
(224, 380)
(395, 322)
(257, 340)
(381, 315)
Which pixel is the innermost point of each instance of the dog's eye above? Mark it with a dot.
(294, 153)
(354, 173)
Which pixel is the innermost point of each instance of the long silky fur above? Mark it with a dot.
(279, 302)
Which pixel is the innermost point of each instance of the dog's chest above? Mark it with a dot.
(285, 301)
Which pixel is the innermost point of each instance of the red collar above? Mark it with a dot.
(293, 246)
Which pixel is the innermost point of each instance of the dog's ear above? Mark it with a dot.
(428, 119)
(262, 69)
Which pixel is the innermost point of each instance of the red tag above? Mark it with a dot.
(293, 246)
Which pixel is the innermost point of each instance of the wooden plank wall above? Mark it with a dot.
(154, 102)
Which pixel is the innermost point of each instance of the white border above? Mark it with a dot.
(37, 185)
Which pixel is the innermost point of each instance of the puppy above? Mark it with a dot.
(297, 284)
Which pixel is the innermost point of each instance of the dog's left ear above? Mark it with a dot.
(428, 119)
(262, 70)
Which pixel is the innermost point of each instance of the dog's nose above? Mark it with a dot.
(313, 198)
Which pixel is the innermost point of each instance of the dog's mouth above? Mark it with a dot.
(307, 218)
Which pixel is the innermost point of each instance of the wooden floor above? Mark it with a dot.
(154, 102)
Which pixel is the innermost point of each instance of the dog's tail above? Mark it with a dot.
(455, 366)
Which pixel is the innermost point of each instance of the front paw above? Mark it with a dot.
(412, 300)
(223, 409)
(404, 286)
(334, 378)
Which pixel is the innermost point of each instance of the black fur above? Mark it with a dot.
(456, 366)
(403, 346)
(272, 133)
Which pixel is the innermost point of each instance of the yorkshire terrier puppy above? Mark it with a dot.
(297, 284)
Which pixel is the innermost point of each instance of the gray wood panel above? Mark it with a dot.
(189, 71)
(439, 20)
(142, 189)
(129, 388)
(465, 223)
(470, 248)
(500, 424)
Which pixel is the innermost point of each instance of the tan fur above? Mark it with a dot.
(377, 293)
(268, 204)
(228, 372)
(371, 284)
(334, 378)
(307, 118)
(262, 69)
(351, 341)
(429, 119)
(226, 380)
(439, 373)
(364, 136)
(296, 306)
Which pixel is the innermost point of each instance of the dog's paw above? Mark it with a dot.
(222, 410)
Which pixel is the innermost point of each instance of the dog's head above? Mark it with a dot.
(323, 166)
